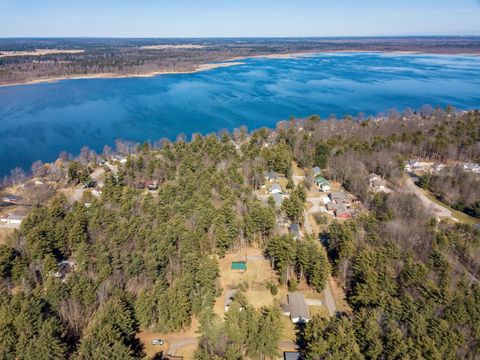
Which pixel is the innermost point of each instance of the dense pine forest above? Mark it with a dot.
(80, 279)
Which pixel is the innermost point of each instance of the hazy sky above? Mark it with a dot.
(204, 18)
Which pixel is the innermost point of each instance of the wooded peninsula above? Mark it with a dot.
(35, 60)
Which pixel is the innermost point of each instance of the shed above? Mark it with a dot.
(240, 266)
(295, 231)
(298, 308)
(291, 355)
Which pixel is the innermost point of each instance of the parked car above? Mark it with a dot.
(157, 342)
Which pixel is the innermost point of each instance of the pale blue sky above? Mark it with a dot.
(217, 18)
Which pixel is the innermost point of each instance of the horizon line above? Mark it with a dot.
(245, 37)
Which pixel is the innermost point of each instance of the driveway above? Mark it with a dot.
(178, 343)
(435, 208)
(329, 301)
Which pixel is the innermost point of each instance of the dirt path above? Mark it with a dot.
(179, 343)
(329, 300)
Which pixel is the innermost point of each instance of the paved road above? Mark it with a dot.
(329, 301)
(308, 226)
(436, 209)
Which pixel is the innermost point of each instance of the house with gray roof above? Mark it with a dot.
(271, 176)
(291, 355)
(275, 189)
(278, 198)
(338, 196)
(298, 308)
(295, 231)
(316, 171)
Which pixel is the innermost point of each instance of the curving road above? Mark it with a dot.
(435, 208)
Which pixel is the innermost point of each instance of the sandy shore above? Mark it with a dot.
(200, 68)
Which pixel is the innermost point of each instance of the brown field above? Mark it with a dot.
(4, 233)
(187, 352)
(258, 274)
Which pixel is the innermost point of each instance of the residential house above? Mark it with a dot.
(331, 207)
(340, 197)
(316, 171)
(342, 212)
(376, 182)
(471, 167)
(412, 165)
(437, 168)
(13, 219)
(229, 297)
(275, 189)
(278, 199)
(379, 185)
(271, 177)
(295, 231)
(12, 199)
(298, 308)
(322, 184)
(372, 177)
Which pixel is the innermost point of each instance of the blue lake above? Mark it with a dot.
(38, 121)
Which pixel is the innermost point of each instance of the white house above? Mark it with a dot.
(275, 189)
(412, 165)
(471, 167)
(12, 219)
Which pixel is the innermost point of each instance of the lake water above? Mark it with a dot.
(38, 121)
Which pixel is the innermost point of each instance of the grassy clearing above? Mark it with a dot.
(254, 280)
(289, 330)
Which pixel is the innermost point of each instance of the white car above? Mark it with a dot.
(157, 342)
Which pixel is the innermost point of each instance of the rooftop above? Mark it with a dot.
(338, 195)
(239, 265)
(298, 306)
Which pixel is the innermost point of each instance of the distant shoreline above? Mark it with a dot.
(52, 80)
(234, 61)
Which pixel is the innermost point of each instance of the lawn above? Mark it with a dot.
(253, 280)
(460, 216)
